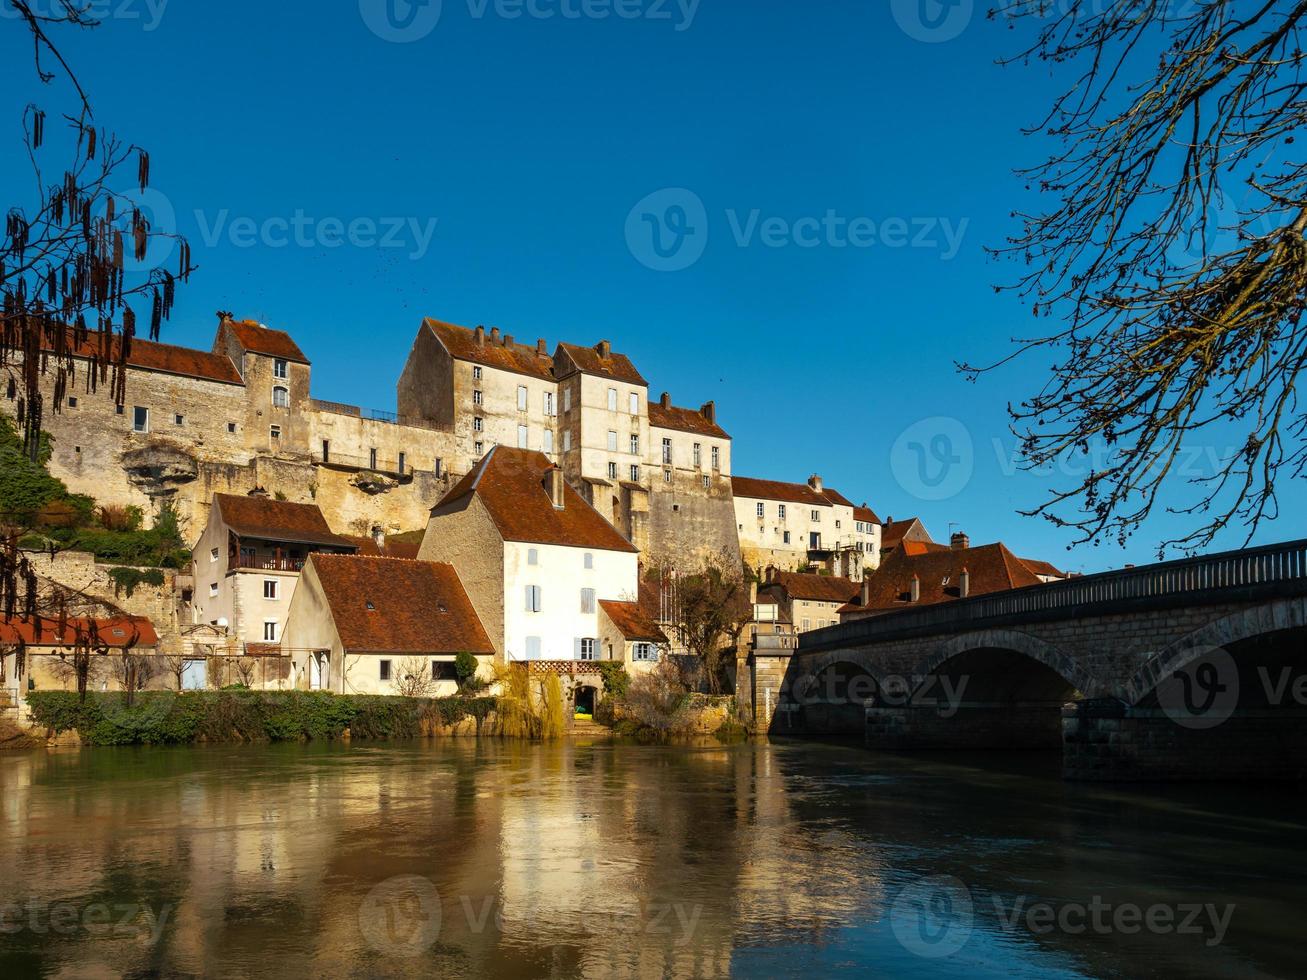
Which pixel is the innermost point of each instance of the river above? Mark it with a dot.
(486, 858)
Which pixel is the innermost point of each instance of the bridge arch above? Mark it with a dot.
(1029, 646)
(1246, 624)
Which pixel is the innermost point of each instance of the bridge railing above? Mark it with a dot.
(1230, 570)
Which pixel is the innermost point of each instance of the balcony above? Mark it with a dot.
(271, 563)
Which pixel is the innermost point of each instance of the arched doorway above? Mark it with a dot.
(586, 697)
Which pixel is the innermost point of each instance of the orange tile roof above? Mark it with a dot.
(263, 340)
(683, 420)
(395, 546)
(865, 513)
(631, 620)
(394, 605)
(146, 355)
(518, 358)
(893, 531)
(991, 567)
(816, 588)
(792, 493)
(1040, 567)
(513, 486)
(118, 632)
(278, 520)
(589, 361)
(910, 547)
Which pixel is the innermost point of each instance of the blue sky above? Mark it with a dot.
(508, 153)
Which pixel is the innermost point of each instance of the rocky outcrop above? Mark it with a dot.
(160, 469)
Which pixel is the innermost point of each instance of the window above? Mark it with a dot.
(807, 624)
(716, 457)
(612, 471)
(118, 409)
(612, 441)
(521, 398)
(403, 460)
(326, 450)
(279, 368)
(588, 561)
(707, 480)
(384, 669)
(635, 473)
(213, 589)
(477, 397)
(667, 476)
(274, 432)
(698, 456)
(837, 525)
(479, 448)
(762, 510)
(270, 631)
(816, 515)
(443, 670)
(533, 598)
(533, 556)
(72, 402)
(780, 511)
(140, 419)
(635, 403)
(270, 589)
(786, 537)
(585, 648)
(372, 459)
(478, 423)
(567, 399)
(523, 433)
(533, 648)
(644, 652)
(567, 441)
(587, 600)
(280, 397)
(549, 440)
(231, 427)
(549, 404)
(667, 450)
(612, 399)
(476, 374)
(213, 555)
(635, 445)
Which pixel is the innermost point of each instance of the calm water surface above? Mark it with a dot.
(467, 858)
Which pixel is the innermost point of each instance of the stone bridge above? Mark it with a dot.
(1185, 669)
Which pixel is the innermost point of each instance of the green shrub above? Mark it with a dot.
(130, 579)
(616, 680)
(465, 667)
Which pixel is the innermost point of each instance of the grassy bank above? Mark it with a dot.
(164, 718)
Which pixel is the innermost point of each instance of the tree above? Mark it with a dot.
(64, 271)
(413, 678)
(246, 670)
(133, 671)
(1172, 253)
(707, 605)
(174, 665)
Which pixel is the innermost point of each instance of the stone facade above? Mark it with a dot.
(797, 526)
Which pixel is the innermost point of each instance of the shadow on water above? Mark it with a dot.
(480, 857)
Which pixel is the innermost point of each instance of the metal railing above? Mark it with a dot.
(270, 564)
(340, 408)
(378, 464)
(1180, 580)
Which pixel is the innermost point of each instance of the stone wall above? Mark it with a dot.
(80, 573)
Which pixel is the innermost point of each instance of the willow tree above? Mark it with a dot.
(1168, 250)
(73, 270)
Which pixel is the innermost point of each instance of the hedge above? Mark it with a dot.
(165, 717)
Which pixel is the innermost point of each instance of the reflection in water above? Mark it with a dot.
(469, 857)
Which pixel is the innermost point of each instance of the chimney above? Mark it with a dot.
(964, 583)
(709, 411)
(665, 401)
(771, 574)
(753, 592)
(914, 589)
(479, 335)
(814, 481)
(508, 340)
(494, 334)
(379, 537)
(960, 541)
(866, 589)
(540, 347)
(604, 348)
(556, 488)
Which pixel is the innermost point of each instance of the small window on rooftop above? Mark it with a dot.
(371, 607)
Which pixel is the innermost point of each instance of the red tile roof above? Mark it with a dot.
(396, 546)
(816, 588)
(865, 513)
(588, 360)
(264, 340)
(278, 520)
(910, 547)
(683, 420)
(417, 607)
(1043, 568)
(632, 622)
(146, 355)
(992, 568)
(118, 632)
(792, 493)
(518, 358)
(513, 484)
(893, 531)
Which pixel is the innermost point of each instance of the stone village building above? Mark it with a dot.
(797, 526)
